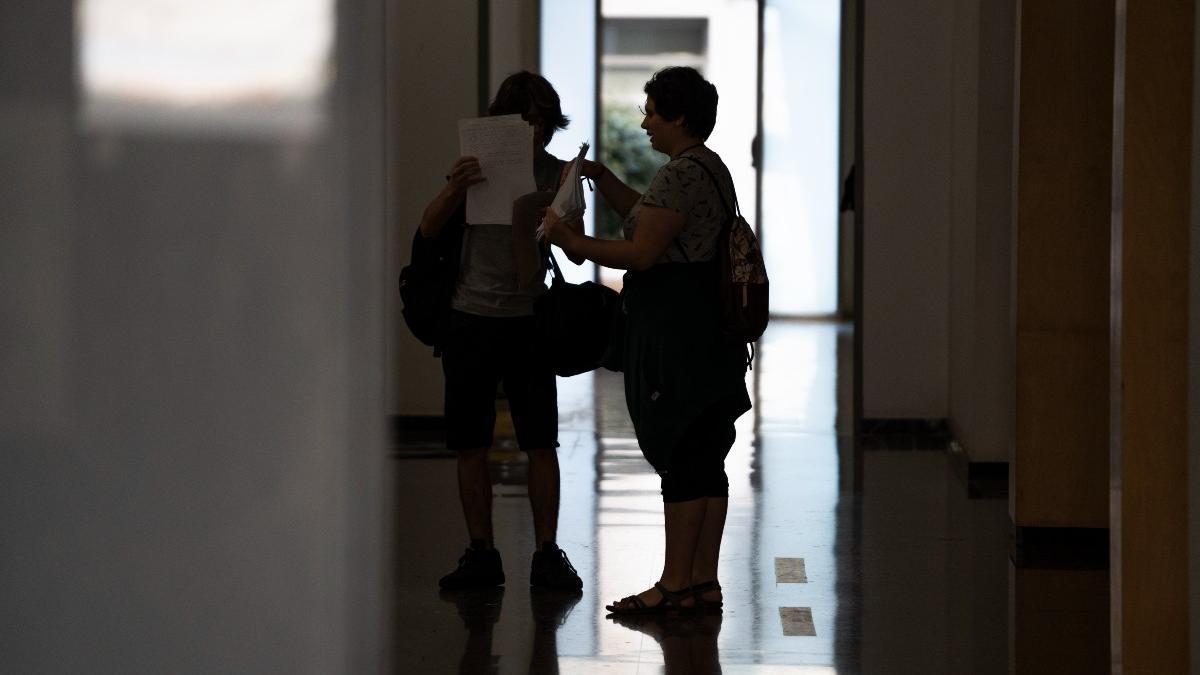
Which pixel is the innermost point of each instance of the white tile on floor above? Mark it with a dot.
(797, 621)
(790, 571)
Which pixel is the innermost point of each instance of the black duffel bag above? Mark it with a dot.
(576, 322)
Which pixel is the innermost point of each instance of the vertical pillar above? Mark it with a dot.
(1059, 471)
(1150, 240)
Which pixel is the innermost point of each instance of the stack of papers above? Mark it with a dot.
(568, 203)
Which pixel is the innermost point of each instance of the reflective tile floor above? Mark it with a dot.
(834, 561)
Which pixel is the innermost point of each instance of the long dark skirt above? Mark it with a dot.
(677, 363)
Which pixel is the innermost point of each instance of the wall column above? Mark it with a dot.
(1150, 240)
(1059, 472)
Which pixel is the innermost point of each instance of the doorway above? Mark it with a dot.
(778, 129)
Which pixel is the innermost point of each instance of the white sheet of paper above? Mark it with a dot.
(568, 203)
(504, 146)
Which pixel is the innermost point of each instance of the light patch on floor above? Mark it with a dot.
(790, 571)
(797, 621)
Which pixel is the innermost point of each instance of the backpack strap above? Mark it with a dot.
(724, 204)
(737, 210)
(733, 216)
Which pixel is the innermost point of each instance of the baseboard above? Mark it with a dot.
(905, 434)
(906, 425)
(984, 480)
(1078, 548)
(409, 430)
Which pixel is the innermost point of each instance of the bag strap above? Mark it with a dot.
(720, 193)
(552, 263)
(717, 187)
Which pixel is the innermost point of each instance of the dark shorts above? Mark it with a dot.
(480, 352)
(697, 468)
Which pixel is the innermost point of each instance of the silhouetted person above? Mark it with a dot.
(684, 382)
(490, 338)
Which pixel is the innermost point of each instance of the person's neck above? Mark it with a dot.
(684, 145)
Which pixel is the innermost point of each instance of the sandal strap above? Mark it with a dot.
(673, 598)
(634, 600)
(707, 587)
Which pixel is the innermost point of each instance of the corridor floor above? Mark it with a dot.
(835, 560)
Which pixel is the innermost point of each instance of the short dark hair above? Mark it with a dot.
(533, 98)
(682, 91)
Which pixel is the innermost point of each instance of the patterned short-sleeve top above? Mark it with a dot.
(685, 187)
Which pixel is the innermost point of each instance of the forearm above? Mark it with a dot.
(575, 257)
(616, 193)
(615, 253)
(439, 210)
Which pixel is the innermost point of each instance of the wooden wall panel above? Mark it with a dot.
(1150, 323)
(1061, 266)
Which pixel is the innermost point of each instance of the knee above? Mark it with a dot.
(686, 485)
(543, 456)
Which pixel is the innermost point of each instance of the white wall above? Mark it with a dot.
(191, 415)
(938, 119)
(513, 39)
(985, 381)
(433, 75)
(981, 385)
(908, 118)
(963, 389)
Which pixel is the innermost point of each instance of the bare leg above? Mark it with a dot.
(475, 492)
(543, 493)
(708, 548)
(684, 521)
(683, 524)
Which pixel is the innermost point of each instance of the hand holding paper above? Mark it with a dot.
(568, 203)
(504, 147)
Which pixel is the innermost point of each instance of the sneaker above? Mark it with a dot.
(476, 569)
(551, 569)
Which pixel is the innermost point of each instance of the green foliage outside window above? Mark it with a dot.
(625, 150)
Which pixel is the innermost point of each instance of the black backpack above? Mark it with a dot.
(427, 282)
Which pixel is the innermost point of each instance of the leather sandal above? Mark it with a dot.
(672, 601)
(700, 603)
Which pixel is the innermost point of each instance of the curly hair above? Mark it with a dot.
(533, 98)
(681, 91)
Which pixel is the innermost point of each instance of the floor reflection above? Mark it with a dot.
(479, 611)
(688, 642)
(835, 560)
(550, 610)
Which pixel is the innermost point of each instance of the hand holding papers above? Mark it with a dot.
(504, 146)
(568, 203)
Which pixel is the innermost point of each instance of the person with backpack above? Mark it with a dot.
(486, 336)
(684, 372)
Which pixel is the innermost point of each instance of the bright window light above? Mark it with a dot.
(219, 65)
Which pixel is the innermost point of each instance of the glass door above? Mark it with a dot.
(801, 69)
